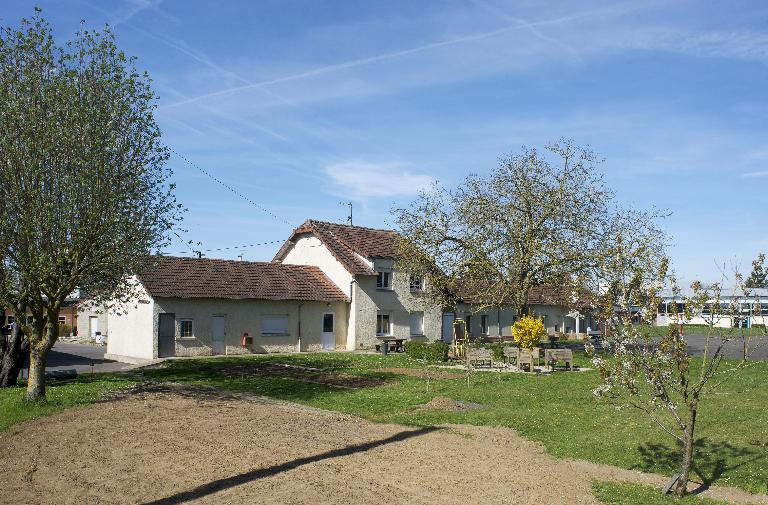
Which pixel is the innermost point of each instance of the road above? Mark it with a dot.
(67, 356)
(757, 350)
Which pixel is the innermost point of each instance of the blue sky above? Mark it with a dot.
(303, 105)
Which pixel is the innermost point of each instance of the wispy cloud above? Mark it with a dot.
(752, 175)
(131, 9)
(517, 24)
(358, 180)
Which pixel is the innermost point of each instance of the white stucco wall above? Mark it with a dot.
(243, 316)
(132, 334)
(87, 310)
(309, 250)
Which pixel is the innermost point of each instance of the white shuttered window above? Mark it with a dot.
(274, 325)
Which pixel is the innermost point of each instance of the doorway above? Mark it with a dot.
(328, 340)
(217, 335)
(166, 336)
(448, 318)
(93, 326)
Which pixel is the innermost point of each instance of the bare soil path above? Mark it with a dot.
(171, 444)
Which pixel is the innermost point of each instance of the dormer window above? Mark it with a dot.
(384, 280)
(417, 283)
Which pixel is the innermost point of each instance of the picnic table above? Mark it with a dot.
(385, 341)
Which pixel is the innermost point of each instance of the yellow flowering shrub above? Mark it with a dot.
(528, 331)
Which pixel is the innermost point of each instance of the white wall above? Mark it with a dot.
(87, 310)
(243, 316)
(309, 250)
(132, 333)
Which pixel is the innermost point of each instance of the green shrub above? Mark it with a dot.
(432, 353)
(498, 349)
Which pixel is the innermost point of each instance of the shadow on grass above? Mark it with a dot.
(261, 473)
(711, 460)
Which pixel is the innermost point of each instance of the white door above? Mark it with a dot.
(93, 326)
(448, 327)
(329, 334)
(217, 333)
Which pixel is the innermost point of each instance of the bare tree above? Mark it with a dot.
(85, 195)
(539, 217)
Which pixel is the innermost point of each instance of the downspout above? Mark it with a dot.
(349, 316)
(298, 343)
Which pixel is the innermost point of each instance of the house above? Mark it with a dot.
(550, 303)
(738, 308)
(361, 262)
(330, 286)
(67, 315)
(201, 306)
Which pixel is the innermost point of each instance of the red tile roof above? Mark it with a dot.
(544, 294)
(174, 277)
(347, 243)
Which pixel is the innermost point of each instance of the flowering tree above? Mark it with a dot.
(658, 377)
(528, 331)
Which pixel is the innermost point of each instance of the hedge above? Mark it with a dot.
(432, 353)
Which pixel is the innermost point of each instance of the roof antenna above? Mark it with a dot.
(349, 218)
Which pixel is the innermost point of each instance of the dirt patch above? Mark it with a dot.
(303, 374)
(168, 444)
(419, 372)
(449, 404)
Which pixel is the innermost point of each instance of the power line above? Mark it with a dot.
(244, 246)
(230, 188)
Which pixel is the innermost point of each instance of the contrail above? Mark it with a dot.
(375, 59)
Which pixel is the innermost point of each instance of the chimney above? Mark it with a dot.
(240, 257)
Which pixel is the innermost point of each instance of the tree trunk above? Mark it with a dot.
(36, 382)
(681, 486)
(13, 355)
(38, 358)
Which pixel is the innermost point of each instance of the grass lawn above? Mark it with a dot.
(59, 396)
(622, 493)
(558, 410)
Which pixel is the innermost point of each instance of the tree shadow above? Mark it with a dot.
(712, 459)
(60, 359)
(261, 473)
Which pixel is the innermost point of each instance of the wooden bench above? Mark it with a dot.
(510, 354)
(480, 357)
(525, 357)
(565, 356)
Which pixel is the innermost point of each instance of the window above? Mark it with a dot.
(384, 280)
(186, 329)
(468, 325)
(274, 325)
(383, 326)
(417, 323)
(417, 283)
(9, 320)
(484, 324)
(328, 322)
(30, 319)
(62, 320)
